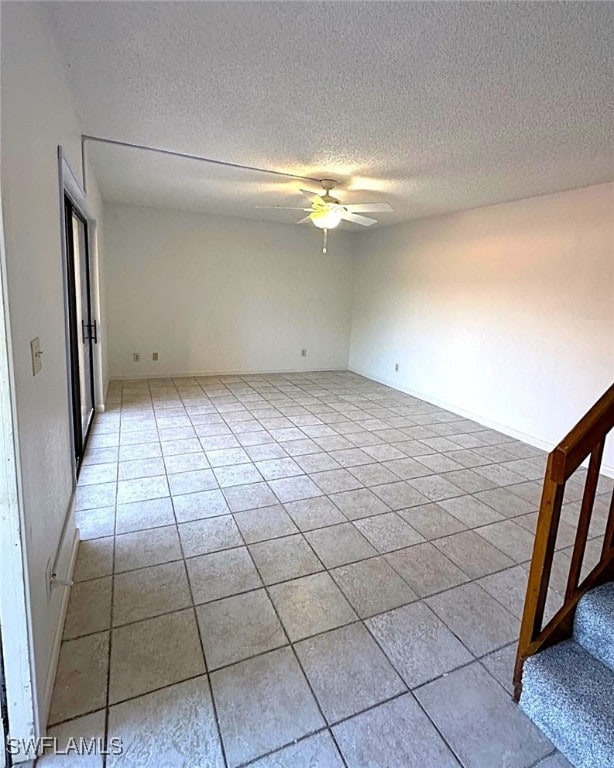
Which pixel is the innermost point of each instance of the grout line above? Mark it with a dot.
(291, 645)
(287, 645)
(202, 647)
(411, 690)
(110, 646)
(283, 629)
(470, 580)
(290, 744)
(325, 569)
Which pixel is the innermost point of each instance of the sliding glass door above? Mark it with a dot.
(82, 326)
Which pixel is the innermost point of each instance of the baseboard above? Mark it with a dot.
(504, 428)
(242, 372)
(59, 630)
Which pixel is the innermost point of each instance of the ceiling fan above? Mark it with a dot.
(326, 212)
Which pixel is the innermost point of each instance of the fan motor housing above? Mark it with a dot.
(330, 199)
(328, 184)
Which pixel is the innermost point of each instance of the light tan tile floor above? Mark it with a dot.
(300, 570)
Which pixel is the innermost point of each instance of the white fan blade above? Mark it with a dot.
(281, 208)
(356, 219)
(369, 207)
(305, 220)
(315, 196)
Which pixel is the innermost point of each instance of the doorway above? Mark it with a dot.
(83, 331)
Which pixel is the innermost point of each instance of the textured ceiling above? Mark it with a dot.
(433, 106)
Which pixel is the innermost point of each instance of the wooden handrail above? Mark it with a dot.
(586, 439)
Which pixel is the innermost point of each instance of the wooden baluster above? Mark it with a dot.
(608, 540)
(584, 521)
(541, 567)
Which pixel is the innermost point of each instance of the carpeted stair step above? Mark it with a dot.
(569, 694)
(594, 624)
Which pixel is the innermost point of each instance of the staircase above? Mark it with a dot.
(568, 688)
(564, 675)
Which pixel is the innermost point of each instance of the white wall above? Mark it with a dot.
(37, 116)
(505, 312)
(213, 294)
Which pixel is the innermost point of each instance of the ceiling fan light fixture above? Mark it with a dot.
(326, 219)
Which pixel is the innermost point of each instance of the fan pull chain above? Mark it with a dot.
(324, 247)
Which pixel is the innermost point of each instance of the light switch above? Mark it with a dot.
(37, 355)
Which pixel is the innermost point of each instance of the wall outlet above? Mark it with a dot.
(154, 357)
(136, 357)
(396, 367)
(303, 353)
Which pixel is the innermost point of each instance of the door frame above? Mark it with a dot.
(71, 211)
(69, 186)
